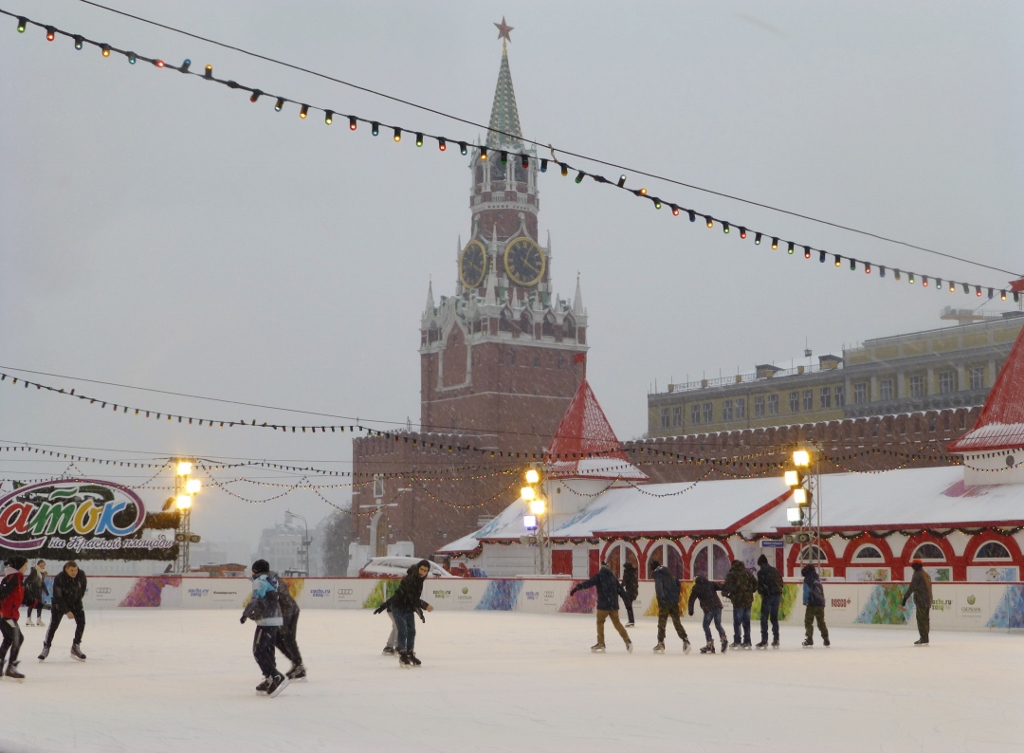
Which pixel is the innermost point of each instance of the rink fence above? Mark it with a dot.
(955, 606)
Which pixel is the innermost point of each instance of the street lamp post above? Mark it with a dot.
(306, 541)
(804, 478)
(538, 521)
(185, 488)
(378, 506)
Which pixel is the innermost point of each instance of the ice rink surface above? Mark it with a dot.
(163, 681)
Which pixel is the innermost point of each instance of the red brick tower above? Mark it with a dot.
(500, 361)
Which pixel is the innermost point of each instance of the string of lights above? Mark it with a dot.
(539, 144)
(481, 153)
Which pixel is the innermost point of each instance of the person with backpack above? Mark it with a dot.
(739, 586)
(770, 586)
(608, 592)
(68, 591)
(12, 593)
(921, 589)
(265, 609)
(631, 585)
(705, 591)
(814, 600)
(666, 588)
(35, 591)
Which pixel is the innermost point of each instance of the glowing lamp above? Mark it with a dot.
(183, 501)
(527, 493)
(532, 476)
(193, 486)
(800, 496)
(530, 522)
(792, 478)
(794, 514)
(537, 506)
(184, 468)
(801, 458)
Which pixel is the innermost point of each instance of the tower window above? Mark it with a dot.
(569, 327)
(727, 410)
(860, 393)
(695, 414)
(773, 405)
(549, 325)
(526, 325)
(808, 399)
(505, 323)
(497, 171)
(886, 391)
(708, 413)
(794, 402)
(664, 418)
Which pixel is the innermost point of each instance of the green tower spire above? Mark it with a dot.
(504, 112)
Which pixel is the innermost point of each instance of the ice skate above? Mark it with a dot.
(825, 642)
(775, 643)
(708, 649)
(45, 652)
(389, 651)
(921, 642)
(403, 660)
(597, 648)
(29, 622)
(686, 646)
(630, 624)
(13, 673)
(660, 648)
(76, 652)
(413, 660)
(277, 684)
(725, 644)
(762, 645)
(734, 645)
(629, 647)
(298, 672)
(808, 643)
(264, 686)
(39, 622)
(747, 646)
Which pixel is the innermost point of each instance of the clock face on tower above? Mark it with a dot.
(473, 264)
(524, 262)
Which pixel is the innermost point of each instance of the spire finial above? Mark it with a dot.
(503, 32)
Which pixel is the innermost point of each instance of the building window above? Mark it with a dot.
(759, 406)
(928, 551)
(773, 405)
(794, 402)
(561, 361)
(868, 552)
(811, 553)
(536, 360)
(664, 418)
(917, 386)
(992, 550)
(808, 399)
(840, 395)
(947, 380)
(860, 393)
(727, 410)
(695, 414)
(977, 375)
(511, 358)
(885, 388)
(708, 413)
(741, 408)
(825, 397)
(677, 416)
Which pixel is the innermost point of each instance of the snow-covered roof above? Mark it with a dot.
(907, 498)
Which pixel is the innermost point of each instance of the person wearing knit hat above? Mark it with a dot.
(770, 586)
(666, 589)
(35, 592)
(265, 609)
(12, 593)
(921, 589)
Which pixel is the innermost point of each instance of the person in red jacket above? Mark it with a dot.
(12, 592)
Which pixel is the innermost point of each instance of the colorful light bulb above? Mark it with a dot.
(328, 117)
(304, 111)
(419, 139)
(279, 104)
(441, 144)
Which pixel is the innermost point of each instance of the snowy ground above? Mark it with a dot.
(184, 681)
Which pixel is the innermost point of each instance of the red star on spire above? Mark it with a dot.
(504, 29)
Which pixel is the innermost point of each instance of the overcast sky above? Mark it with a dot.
(164, 232)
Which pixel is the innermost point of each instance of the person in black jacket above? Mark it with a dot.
(631, 584)
(666, 588)
(405, 605)
(814, 601)
(704, 591)
(35, 590)
(286, 641)
(608, 592)
(921, 589)
(264, 608)
(68, 590)
(770, 586)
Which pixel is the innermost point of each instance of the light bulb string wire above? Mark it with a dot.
(564, 167)
(588, 158)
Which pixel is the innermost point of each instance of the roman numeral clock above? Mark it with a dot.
(524, 262)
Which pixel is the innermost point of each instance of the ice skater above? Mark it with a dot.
(12, 593)
(770, 585)
(286, 640)
(608, 592)
(739, 586)
(631, 584)
(265, 609)
(704, 591)
(921, 589)
(68, 590)
(402, 607)
(814, 600)
(35, 592)
(666, 588)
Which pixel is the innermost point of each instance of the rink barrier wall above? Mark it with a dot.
(955, 606)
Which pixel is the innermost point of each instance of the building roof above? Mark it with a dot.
(891, 501)
(585, 445)
(1000, 425)
(504, 112)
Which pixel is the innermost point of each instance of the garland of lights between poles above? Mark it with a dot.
(482, 152)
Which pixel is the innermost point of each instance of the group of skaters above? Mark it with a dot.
(26, 587)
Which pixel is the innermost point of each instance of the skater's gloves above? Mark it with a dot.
(242, 621)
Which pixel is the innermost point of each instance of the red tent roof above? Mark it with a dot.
(585, 445)
(1000, 425)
